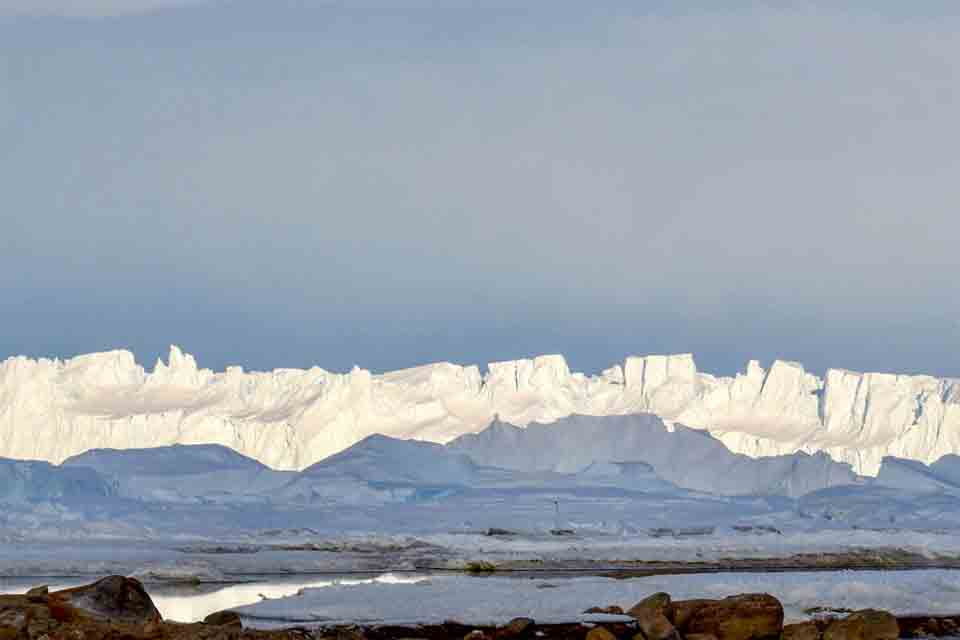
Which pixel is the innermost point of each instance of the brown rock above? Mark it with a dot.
(599, 633)
(801, 631)
(757, 616)
(654, 615)
(683, 610)
(113, 598)
(868, 624)
(932, 627)
(61, 611)
(38, 594)
(12, 618)
(658, 603)
(700, 636)
(224, 619)
(612, 610)
(658, 628)
(515, 628)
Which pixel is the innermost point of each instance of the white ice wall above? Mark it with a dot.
(290, 418)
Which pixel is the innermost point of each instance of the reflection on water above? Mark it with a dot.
(190, 603)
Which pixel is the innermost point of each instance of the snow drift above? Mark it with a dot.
(289, 419)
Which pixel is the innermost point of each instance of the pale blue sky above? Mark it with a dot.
(337, 183)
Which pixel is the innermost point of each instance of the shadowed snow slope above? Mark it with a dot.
(383, 469)
(942, 475)
(410, 470)
(379, 458)
(289, 419)
(181, 471)
(32, 481)
(689, 458)
(605, 472)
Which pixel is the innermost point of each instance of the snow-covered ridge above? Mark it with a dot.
(291, 418)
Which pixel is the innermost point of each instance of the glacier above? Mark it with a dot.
(288, 419)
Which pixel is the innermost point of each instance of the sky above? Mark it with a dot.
(294, 183)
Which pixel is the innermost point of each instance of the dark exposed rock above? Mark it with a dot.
(224, 619)
(657, 604)
(516, 628)
(38, 594)
(654, 615)
(612, 610)
(112, 598)
(58, 619)
(600, 633)
(683, 611)
(350, 633)
(747, 617)
(809, 630)
(868, 624)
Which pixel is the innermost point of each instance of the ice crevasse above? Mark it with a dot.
(290, 418)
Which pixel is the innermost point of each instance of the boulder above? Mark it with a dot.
(612, 610)
(351, 632)
(683, 610)
(808, 630)
(114, 598)
(654, 616)
(38, 594)
(516, 628)
(869, 624)
(599, 633)
(658, 603)
(224, 619)
(757, 616)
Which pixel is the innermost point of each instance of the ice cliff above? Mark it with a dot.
(289, 419)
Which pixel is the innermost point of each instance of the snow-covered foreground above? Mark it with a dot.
(434, 599)
(290, 419)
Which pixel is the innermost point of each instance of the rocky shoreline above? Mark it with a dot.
(119, 608)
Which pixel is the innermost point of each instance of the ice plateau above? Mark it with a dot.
(289, 419)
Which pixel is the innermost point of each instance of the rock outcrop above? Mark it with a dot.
(112, 598)
(869, 624)
(744, 617)
(655, 617)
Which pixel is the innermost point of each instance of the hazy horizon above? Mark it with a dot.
(305, 183)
